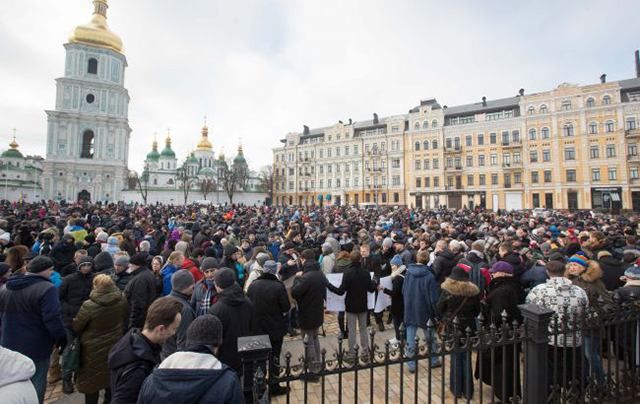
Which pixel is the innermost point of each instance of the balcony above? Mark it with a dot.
(514, 165)
(453, 168)
(457, 187)
(453, 149)
(633, 158)
(512, 144)
(632, 133)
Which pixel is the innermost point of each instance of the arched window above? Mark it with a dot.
(416, 126)
(590, 102)
(434, 144)
(170, 181)
(434, 123)
(425, 145)
(593, 128)
(544, 133)
(532, 134)
(92, 66)
(155, 181)
(531, 111)
(606, 100)
(425, 125)
(567, 130)
(87, 145)
(543, 109)
(417, 146)
(609, 126)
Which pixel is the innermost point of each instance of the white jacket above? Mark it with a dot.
(16, 371)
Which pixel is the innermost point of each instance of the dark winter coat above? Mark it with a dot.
(73, 292)
(503, 294)
(179, 339)
(590, 280)
(271, 302)
(31, 318)
(420, 292)
(516, 262)
(310, 291)
(131, 360)
(372, 263)
(612, 270)
(140, 293)
(62, 256)
(286, 270)
(356, 283)
(451, 302)
(99, 325)
(443, 264)
(397, 299)
(236, 313)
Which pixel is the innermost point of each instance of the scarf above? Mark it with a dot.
(205, 303)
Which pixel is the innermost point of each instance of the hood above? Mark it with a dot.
(343, 264)
(475, 256)
(102, 261)
(592, 273)
(106, 297)
(184, 385)
(64, 247)
(233, 295)
(23, 281)
(133, 347)
(460, 288)
(418, 270)
(14, 367)
(513, 259)
(446, 254)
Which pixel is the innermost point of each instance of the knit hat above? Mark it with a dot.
(39, 264)
(122, 261)
(102, 237)
(229, 250)
(181, 246)
(632, 273)
(502, 266)
(578, 259)
(103, 261)
(112, 241)
(459, 274)
(224, 278)
(387, 243)
(205, 330)
(86, 260)
(139, 259)
(209, 263)
(270, 267)
(396, 260)
(181, 280)
(261, 258)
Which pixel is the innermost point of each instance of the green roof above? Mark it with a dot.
(168, 152)
(206, 171)
(192, 159)
(153, 155)
(12, 153)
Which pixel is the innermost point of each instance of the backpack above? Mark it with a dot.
(477, 278)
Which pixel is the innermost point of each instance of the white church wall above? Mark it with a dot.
(176, 197)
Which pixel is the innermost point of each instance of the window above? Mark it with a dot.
(543, 109)
(436, 164)
(566, 105)
(395, 180)
(594, 152)
(494, 179)
(425, 125)
(567, 130)
(633, 173)
(532, 134)
(505, 138)
(606, 100)
(434, 144)
(418, 182)
(481, 160)
(571, 175)
(613, 174)
(395, 163)
(494, 159)
(531, 111)
(492, 138)
(546, 155)
(506, 159)
(593, 128)
(534, 177)
(418, 164)
(609, 127)
(329, 152)
(569, 153)
(337, 151)
(515, 136)
(590, 102)
(595, 174)
(469, 140)
(434, 123)
(346, 150)
(517, 178)
(427, 182)
(611, 150)
(92, 66)
(425, 145)
(355, 150)
(480, 139)
(87, 145)
(426, 164)
(470, 179)
(547, 175)
(417, 146)
(448, 143)
(516, 157)
(346, 183)
(436, 182)
(416, 126)
(469, 161)
(632, 149)
(544, 133)
(482, 180)
(337, 182)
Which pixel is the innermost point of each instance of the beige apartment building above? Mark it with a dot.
(573, 147)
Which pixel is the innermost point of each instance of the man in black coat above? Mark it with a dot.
(140, 291)
(444, 262)
(373, 263)
(309, 290)
(137, 353)
(612, 270)
(235, 312)
(62, 255)
(271, 302)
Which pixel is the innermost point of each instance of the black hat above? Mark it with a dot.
(229, 250)
(139, 259)
(209, 263)
(39, 264)
(459, 274)
(86, 260)
(288, 246)
(206, 330)
(103, 261)
(224, 278)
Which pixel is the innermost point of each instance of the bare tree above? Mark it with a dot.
(267, 180)
(207, 186)
(140, 183)
(185, 181)
(234, 179)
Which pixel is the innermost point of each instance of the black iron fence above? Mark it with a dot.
(573, 356)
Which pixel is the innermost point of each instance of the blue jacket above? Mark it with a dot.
(420, 291)
(31, 316)
(166, 274)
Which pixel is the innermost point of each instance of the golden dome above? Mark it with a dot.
(96, 32)
(204, 143)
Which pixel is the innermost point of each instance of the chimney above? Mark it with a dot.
(603, 78)
(521, 92)
(305, 130)
(484, 101)
(638, 63)
(375, 118)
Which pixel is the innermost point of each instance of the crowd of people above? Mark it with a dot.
(156, 296)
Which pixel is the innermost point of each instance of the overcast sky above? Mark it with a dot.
(259, 69)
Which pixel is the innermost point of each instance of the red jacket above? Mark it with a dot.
(191, 266)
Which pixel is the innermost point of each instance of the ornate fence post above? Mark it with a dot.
(536, 321)
(254, 353)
